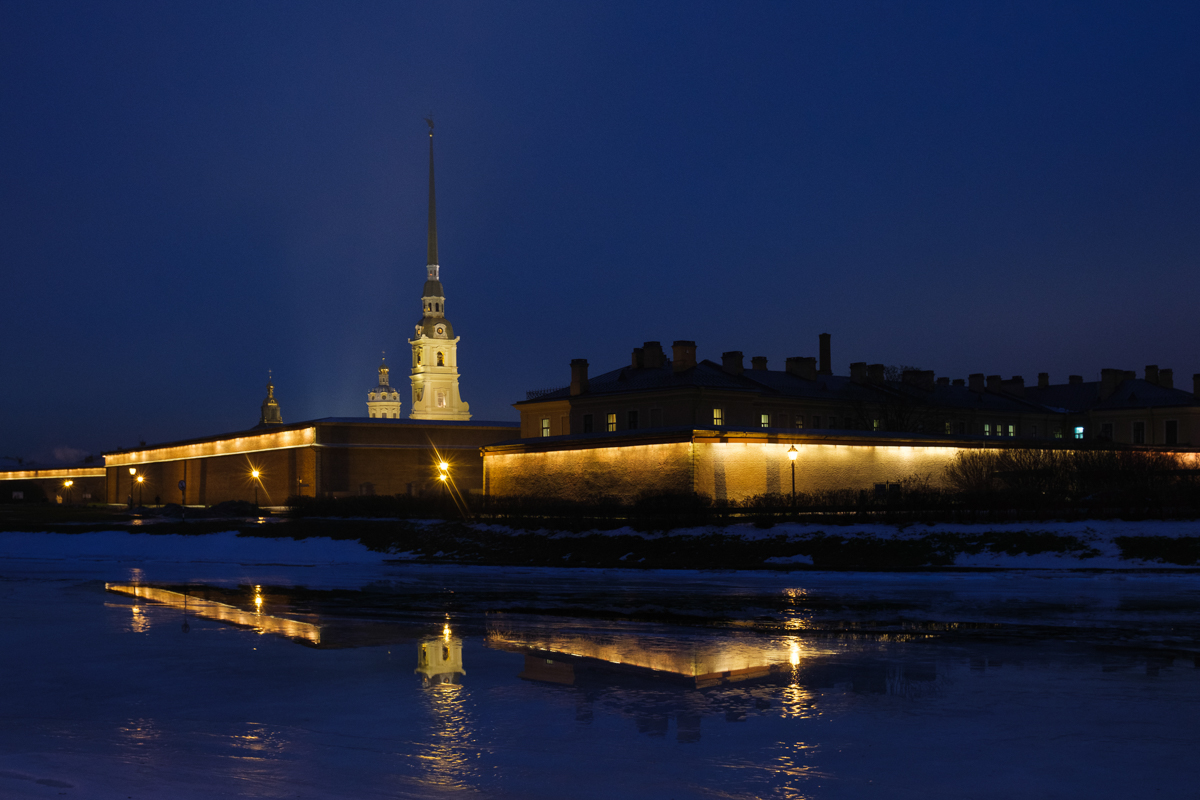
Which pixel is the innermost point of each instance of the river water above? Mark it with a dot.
(403, 680)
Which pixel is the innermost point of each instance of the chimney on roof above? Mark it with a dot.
(1166, 378)
(731, 362)
(758, 362)
(958, 382)
(1110, 379)
(579, 378)
(858, 372)
(1075, 380)
(976, 381)
(684, 355)
(1043, 380)
(943, 381)
(802, 367)
(1014, 386)
(654, 355)
(876, 373)
(993, 383)
(1152, 374)
(639, 358)
(920, 378)
(826, 360)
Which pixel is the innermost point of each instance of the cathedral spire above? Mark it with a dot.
(270, 407)
(433, 253)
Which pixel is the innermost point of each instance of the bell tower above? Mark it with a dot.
(435, 347)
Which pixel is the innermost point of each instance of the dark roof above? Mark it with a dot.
(433, 289)
(427, 327)
(1130, 393)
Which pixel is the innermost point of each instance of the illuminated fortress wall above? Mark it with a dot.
(725, 468)
(590, 473)
(326, 458)
(735, 470)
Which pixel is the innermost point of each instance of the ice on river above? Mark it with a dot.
(438, 681)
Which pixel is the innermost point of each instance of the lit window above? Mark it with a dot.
(1171, 432)
(632, 419)
(545, 426)
(987, 429)
(1058, 434)
(612, 422)
(1139, 433)
(1078, 431)
(949, 427)
(1012, 430)
(718, 416)
(766, 420)
(587, 423)
(874, 424)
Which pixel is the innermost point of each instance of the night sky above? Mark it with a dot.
(195, 193)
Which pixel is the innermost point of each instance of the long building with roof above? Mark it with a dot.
(682, 424)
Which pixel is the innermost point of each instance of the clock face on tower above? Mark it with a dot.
(440, 330)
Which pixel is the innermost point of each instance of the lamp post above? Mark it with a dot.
(792, 453)
(141, 481)
(67, 486)
(132, 473)
(254, 474)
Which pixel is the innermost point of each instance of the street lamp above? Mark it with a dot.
(792, 453)
(132, 472)
(141, 479)
(254, 474)
(67, 486)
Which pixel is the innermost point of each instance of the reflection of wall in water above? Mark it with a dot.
(439, 660)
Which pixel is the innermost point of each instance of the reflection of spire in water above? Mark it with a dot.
(451, 751)
(439, 659)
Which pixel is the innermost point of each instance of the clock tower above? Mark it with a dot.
(435, 347)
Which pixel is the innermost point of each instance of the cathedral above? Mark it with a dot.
(435, 394)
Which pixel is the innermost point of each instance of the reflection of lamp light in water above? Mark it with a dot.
(258, 601)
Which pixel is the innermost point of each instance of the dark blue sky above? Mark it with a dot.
(194, 193)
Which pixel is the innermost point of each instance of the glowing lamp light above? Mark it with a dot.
(141, 478)
(443, 466)
(133, 470)
(254, 473)
(442, 477)
(792, 453)
(68, 484)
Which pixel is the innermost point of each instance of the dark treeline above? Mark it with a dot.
(978, 486)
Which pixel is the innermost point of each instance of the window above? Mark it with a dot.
(949, 427)
(1078, 431)
(1058, 434)
(1139, 432)
(816, 420)
(987, 429)
(800, 421)
(874, 424)
(587, 423)
(1012, 430)
(612, 422)
(1171, 432)
(718, 416)
(441, 399)
(545, 426)
(766, 420)
(632, 420)
(1034, 431)
(1106, 431)
(441, 359)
